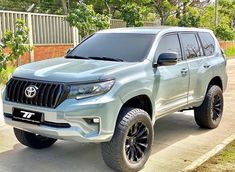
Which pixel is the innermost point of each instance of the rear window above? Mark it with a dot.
(190, 45)
(208, 43)
(129, 47)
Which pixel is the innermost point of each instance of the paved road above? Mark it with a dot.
(178, 142)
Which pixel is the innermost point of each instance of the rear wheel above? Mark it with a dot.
(131, 144)
(33, 140)
(209, 114)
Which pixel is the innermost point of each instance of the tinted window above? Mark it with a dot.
(208, 43)
(130, 47)
(190, 44)
(169, 43)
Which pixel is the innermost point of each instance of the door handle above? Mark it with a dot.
(184, 71)
(206, 66)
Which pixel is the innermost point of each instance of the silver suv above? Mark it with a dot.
(112, 88)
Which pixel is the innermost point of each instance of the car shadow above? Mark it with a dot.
(86, 157)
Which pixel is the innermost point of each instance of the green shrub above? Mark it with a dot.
(224, 32)
(230, 51)
(16, 42)
(86, 20)
(5, 73)
(132, 15)
(189, 20)
(172, 21)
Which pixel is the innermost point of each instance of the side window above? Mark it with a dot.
(208, 43)
(169, 43)
(190, 45)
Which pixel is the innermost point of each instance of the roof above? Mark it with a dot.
(151, 30)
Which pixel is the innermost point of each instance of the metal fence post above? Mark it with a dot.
(31, 52)
(75, 36)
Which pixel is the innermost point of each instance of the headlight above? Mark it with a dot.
(89, 90)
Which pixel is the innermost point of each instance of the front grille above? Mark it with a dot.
(49, 94)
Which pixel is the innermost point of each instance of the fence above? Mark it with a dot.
(50, 34)
(47, 28)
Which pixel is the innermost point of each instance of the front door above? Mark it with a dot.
(172, 81)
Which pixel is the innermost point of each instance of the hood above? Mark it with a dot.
(68, 70)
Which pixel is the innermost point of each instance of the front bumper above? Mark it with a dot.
(72, 119)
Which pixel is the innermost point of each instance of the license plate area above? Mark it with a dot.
(28, 116)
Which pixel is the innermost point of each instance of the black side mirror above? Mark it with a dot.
(69, 50)
(166, 59)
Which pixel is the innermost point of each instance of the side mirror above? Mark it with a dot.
(69, 50)
(166, 59)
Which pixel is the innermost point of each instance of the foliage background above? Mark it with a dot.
(187, 13)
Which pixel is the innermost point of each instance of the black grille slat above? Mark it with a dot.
(22, 92)
(50, 101)
(45, 95)
(58, 95)
(41, 94)
(18, 91)
(56, 92)
(48, 94)
(37, 95)
(11, 89)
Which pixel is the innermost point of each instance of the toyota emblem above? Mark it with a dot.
(31, 91)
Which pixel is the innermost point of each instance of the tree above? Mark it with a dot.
(86, 20)
(226, 8)
(114, 7)
(40, 6)
(132, 15)
(224, 32)
(189, 20)
(64, 5)
(17, 44)
(176, 8)
(164, 8)
(172, 21)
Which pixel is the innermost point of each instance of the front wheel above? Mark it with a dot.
(209, 114)
(33, 140)
(131, 144)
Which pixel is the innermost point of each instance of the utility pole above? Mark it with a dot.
(216, 12)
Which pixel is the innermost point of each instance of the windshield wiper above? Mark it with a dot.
(106, 58)
(93, 58)
(76, 57)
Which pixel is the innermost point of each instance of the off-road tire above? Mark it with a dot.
(32, 140)
(205, 114)
(114, 152)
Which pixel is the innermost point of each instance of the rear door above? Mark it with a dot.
(199, 68)
(173, 81)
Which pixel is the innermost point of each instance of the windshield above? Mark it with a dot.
(129, 47)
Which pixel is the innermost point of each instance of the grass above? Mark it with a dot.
(230, 52)
(224, 161)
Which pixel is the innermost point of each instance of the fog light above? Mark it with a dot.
(96, 120)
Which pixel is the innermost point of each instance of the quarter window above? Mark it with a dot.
(169, 43)
(208, 43)
(190, 44)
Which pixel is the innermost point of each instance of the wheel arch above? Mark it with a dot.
(141, 101)
(216, 81)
